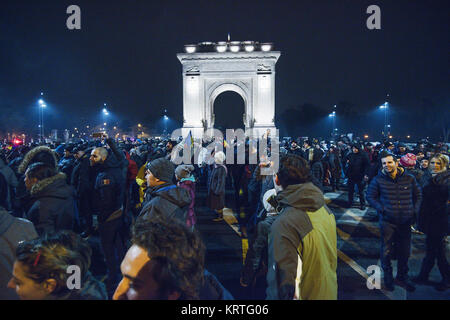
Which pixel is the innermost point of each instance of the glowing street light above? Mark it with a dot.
(42, 105)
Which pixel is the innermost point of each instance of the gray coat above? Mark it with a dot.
(53, 205)
(11, 180)
(216, 190)
(12, 231)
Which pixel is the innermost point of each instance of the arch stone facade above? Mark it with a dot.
(208, 74)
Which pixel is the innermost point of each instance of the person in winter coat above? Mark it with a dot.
(162, 244)
(357, 170)
(11, 181)
(408, 161)
(38, 154)
(162, 197)
(216, 186)
(302, 240)
(12, 231)
(107, 202)
(41, 265)
(186, 180)
(258, 245)
(67, 162)
(317, 167)
(396, 196)
(53, 204)
(433, 221)
(82, 176)
(334, 163)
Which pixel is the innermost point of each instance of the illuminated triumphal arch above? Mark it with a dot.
(247, 68)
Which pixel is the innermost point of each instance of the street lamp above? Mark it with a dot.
(385, 107)
(333, 117)
(42, 105)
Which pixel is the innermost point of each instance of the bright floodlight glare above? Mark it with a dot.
(249, 47)
(166, 117)
(190, 48)
(266, 47)
(221, 48)
(41, 101)
(234, 48)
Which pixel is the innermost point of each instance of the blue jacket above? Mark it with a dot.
(396, 200)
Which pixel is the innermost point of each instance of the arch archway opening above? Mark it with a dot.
(229, 111)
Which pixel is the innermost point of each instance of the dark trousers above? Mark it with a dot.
(334, 179)
(351, 190)
(113, 246)
(435, 251)
(395, 238)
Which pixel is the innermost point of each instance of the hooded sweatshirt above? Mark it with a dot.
(302, 247)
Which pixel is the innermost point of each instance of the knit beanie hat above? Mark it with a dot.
(162, 169)
(184, 171)
(408, 160)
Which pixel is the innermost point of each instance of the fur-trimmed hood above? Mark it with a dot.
(55, 187)
(30, 158)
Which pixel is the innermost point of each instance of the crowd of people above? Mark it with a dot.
(54, 197)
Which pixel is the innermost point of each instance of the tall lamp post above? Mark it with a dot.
(105, 114)
(42, 105)
(165, 121)
(333, 117)
(386, 130)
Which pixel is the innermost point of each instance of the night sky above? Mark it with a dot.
(125, 55)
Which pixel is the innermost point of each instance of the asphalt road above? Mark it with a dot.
(358, 248)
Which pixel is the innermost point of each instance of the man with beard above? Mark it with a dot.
(106, 201)
(397, 197)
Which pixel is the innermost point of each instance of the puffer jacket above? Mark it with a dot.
(53, 205)
(396, 201)
(166, 200)
(433, 215)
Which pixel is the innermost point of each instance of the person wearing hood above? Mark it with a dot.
(41, 267)
(52, 200)
(12, 231)
(302, 240)
(106, 200)
(11, 181)
(396, 196)
(433, 221)
(38, 154)
(186, 180)
(163, 198)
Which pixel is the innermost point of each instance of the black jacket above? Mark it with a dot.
(396, 201)
(357, 166)
(109, 186)
(166, 200)
(81, 181)
(53, 205)
(433, 215)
